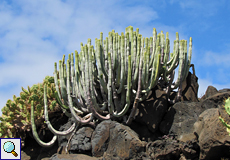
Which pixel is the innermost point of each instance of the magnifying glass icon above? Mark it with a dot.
(9, 147)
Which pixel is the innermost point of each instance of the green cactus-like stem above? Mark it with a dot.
(144, 83)
(185, 62)
(188, 63)
(100, 71)
(224, 123)
(155, 72)
(118, 70)
(134, 53)
(166, 57)
(35, 134)
(111, 88)
(227, 106)
(170, 80)
(110, 102)
(92, 108)
(137, 62)
(78, 90)
(172, 64)
(181, 65)
(57, 93)
(62, 80)
(105, 63)
(90, 103)
(70, 101)
(122, 65)
(54, 131)
(154, 46)
(109, 82)
(126, 107)
(90, 71)
(126, 53)
(227, 109)
(136, 101)
(72, 76)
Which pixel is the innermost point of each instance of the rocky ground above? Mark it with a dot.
(189, 129)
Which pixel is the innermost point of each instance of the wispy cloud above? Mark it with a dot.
(204, 83)
(221, 59)
(34, 35)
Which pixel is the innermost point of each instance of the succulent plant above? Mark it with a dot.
(104, 81)
(227, 109)
(16, 119)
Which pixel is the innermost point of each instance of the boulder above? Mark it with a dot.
(151, 111)
(168, 149)
(209, 92)
(180, 118)
(224, 90)
(71, 157)
(81, 141)
(215, 100)
(213, 138)
(144, 133)
(115, 141)
(185, 130)
(190, 88)
(100, 138)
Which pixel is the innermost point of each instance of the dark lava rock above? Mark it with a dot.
(214, 140)
(81, 141)
(185, 130)
(151, 111)
(180, 118)
(209, 92)
(71, 157)
(168, 149)
(115, 141)
(190, 88)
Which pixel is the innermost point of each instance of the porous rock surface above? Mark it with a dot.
(119, 141)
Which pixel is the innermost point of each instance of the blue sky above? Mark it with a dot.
(35, 34)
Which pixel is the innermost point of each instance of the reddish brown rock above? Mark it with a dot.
(190, 88)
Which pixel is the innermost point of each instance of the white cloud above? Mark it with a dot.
(211, 58)
(203, 85)
(34, 35)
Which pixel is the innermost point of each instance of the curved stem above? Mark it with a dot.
(125, 109)
(88, 91)
(78, 119)
(35, 134)
(54, 131)
(135, 104)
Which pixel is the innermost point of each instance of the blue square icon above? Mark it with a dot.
(10, 148)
